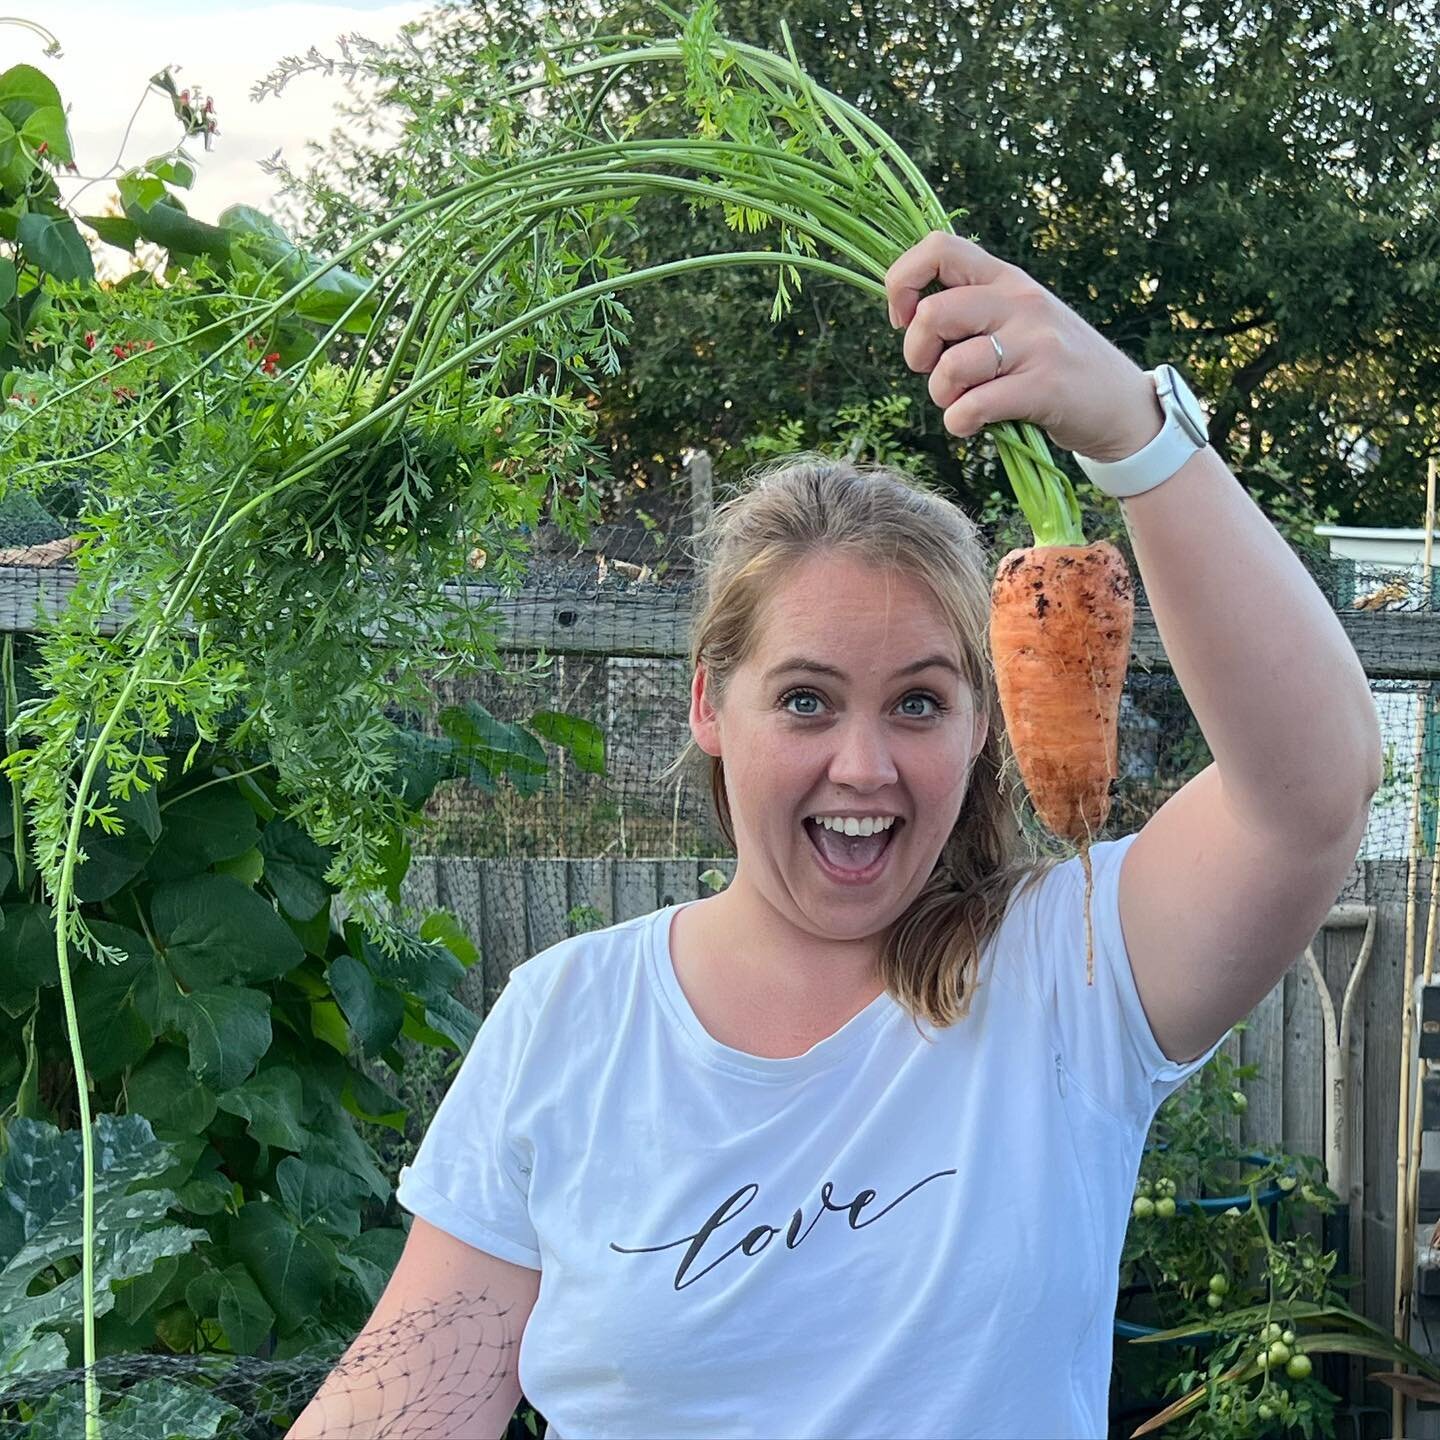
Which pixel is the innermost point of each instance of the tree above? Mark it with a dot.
(1245, 190)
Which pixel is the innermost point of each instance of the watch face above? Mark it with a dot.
(1191, 414)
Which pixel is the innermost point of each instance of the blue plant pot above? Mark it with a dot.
(1268, 1198)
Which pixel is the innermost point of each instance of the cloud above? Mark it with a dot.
(108, 60)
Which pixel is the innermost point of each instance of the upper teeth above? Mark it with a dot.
(851, 826)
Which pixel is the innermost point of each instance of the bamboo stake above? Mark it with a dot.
(1407, 1157)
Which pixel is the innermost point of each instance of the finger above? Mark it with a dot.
(962, 367)
(988, 404)
(950, 315)
(950, 259)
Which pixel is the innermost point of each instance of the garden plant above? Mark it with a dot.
(281, 465)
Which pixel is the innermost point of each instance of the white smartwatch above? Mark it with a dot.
(1185, 431)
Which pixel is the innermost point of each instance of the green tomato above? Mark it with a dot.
(1169, 1186)
(1145, 1188)
(1298, 1367)
(1286, 1182)
(1143, 1208)
(1279, 1353)
(1271, 1332)
(1219, 1285)
(1238, 1100)
(1165, 1208)
(1288, 1337)
(1264, 1411)
(1214, 1301)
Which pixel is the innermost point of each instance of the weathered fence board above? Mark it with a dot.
(1398, 644)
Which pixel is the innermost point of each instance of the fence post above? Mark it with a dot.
(702, 496)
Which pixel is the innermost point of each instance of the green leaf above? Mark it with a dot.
(113, 230)
(112, 861)
(42, 1190)
(295, 869)
(248, 868)
(214, 823)
(162, 1409)
(270, 1103)
(46, 126)
(232, 1297)
(503, 749)
(443, 928)
(162, 222)
(113, 1030)
(371, 1258)
(16, 168)
(341, 1145)
(169, 1096)
(7, 281)
(327, 1023)
(375, 1011)
(264, 246)
(214, 928)
(582, 738)
(422, 967)
(228, 1029)
(135, 1297)
(320, 1197)
(23, 90)
(28, 956)
(55, 246)
(366, 1100)
(176, 171)
(457, 1022)
(295, 1272)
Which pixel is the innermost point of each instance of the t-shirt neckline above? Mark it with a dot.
(820, 1056)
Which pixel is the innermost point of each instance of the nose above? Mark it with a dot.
(861, 759)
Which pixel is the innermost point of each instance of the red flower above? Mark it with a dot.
(269, 363)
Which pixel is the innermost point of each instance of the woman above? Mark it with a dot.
(848, 1149)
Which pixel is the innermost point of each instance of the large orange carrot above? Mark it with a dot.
(1060, 623)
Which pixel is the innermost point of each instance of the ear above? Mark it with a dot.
(704, 717)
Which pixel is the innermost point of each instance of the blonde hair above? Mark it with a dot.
(807, 504)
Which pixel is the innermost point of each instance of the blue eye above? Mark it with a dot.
(939, 709)
(790, 695)
(938, 706)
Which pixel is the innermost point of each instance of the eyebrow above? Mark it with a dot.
(816, 667)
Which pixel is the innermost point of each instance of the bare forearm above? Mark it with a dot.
(1265, 665)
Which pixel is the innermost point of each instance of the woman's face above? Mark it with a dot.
(851, 706)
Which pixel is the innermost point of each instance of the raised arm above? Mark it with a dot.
(1228, 881)
(438, 1356)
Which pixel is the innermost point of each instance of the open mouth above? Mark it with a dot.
(851, 859)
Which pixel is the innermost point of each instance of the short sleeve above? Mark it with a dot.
(1103, 1034)
(471, 1175)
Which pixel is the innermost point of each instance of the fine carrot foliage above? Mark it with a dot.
(437, 404)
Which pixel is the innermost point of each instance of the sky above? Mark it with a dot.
(110, 50)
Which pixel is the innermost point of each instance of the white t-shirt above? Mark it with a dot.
(887, 1235)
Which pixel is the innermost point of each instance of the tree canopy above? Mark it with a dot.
(1247, 191)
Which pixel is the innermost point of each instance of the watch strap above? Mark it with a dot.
(1151, 465)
